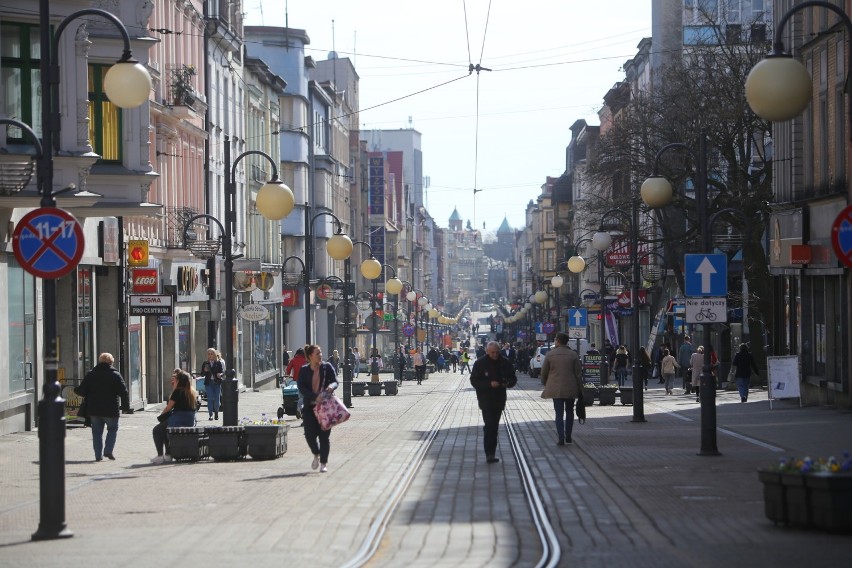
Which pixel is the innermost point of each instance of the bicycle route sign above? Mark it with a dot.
(48, 242)
(706, 310)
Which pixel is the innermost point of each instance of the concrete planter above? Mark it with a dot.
(626, 394)
(375, 389)
(814, 500)
(266, 441)
(187, 443)
(606, 396)
(359, 388)
(391, 388)
(226, 442)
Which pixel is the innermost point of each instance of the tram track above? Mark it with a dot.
(551, 551)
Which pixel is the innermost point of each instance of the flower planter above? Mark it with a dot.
(391, 388)
(830, 501)
(187, 444)
(359, 388)
(796, 499)
(626, 395)
(266, 441)
(774, 503)
(589, 396)
(226, 442)
(375, 389)
(606, 396)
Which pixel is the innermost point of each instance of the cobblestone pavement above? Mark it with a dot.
(624, 494)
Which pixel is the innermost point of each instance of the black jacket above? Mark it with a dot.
(102, 387)
(485, 370)
(328, 378)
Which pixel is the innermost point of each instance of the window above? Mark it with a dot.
(758, 33)
(20, 51)
(732, 11)
(733, 34)
(104, 118)
(21, 326)
(700, 35)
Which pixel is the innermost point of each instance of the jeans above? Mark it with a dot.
(98, 423)
(214, 393)
(564, 409)
(184, 418)
(742, 386)
(621, 375)
(420, 370)
(314, 433)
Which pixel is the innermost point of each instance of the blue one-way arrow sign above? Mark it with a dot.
(706, 275)
(578, 317)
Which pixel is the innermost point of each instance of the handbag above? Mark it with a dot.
(656, 373)
(165, 416)
(580, 408)
(330, 411)
(83, 410)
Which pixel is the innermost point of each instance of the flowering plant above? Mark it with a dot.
(590, 386)
(609, 386)
(820, 465)
(264, 421)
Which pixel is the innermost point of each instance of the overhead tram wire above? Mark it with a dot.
(478, 68)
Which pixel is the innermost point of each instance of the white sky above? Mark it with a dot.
(552, 60)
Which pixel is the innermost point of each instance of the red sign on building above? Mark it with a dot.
(143, 281)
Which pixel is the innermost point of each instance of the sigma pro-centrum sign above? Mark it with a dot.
(151, 305)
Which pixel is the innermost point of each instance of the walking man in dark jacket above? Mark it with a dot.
(491, 376)
(102, 387)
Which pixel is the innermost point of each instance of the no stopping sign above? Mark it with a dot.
(48, 242)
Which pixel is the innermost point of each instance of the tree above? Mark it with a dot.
(703, 91)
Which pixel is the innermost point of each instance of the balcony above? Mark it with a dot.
(176, 218)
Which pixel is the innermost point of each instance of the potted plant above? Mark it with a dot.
(809, 493)
(226, 442)
(626, 395)
(589, 392)
(187, 443)
(359, 388)
(265, 439)
(606, 393)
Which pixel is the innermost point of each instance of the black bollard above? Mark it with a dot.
(51, 464)
(230, 399)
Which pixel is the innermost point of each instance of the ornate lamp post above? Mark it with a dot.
(652, 196)
(127, 85)
(657, 192)
(393, 286)
(273, 189)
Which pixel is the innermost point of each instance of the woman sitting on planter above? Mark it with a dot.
(179, 411)
(315, 377)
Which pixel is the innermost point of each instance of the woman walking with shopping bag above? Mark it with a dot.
(315, 378)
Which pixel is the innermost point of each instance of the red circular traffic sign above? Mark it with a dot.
(48, 242)
(841, 236)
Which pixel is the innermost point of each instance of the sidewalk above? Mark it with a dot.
(625, 494)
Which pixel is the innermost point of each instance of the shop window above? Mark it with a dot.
(21, 298)
(85, 321)
(265, 345)
(185, 341)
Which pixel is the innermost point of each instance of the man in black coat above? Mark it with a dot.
(491, 376)
(103, 386)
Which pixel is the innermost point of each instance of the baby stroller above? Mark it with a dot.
(290, 395)
(201, 390)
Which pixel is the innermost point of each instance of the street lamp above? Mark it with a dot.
(660, 191)
(209, 248)
(393, 286)
(127, 85)
(653, 196)
(779, 87)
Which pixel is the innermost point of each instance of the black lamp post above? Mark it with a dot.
(661, 190)
(393, 286)
(127, 85)
(209, 248)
